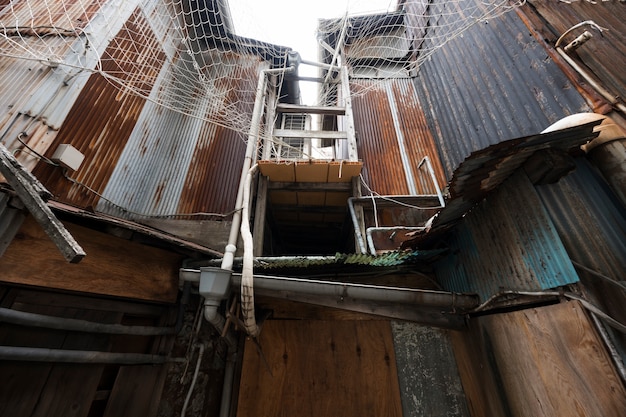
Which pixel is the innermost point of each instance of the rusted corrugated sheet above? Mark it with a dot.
(54, 17)
(508, 242)
(100, 122)
(605, 54)
(493, 83)
(393, 137)
(176, 164)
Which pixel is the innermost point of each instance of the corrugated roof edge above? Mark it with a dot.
(165, 238)
(485, 170)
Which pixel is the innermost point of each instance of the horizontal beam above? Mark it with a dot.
(310, 134)
(295, 108)
(30, 191)
(309, 186)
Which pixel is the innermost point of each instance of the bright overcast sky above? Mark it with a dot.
(292, 23)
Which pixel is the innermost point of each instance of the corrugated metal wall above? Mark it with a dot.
(149, 159)
(508, 242)
(493, 83)
(605, 54)
(178, 164)
(393, 137)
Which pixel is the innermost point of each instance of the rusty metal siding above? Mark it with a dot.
(508, 242)
(177, 164)
(493, 83)
(605, 53)
(49, 16)
(99, 123)
(393, 137)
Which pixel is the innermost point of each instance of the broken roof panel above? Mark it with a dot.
(483, 171)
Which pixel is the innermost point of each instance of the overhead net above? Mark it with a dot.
(196, 57)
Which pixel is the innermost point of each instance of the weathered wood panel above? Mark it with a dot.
(81, 390)
(321, 368)
(113, 266)
(430, 384)
(547, 361)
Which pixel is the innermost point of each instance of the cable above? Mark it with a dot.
(586, 304)
(193, 380)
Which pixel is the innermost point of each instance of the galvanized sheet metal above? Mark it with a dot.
(508, 242)
(493, 83)
(393, 137)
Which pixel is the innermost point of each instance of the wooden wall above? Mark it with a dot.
(313, 368)
(113, 266)
(29, 389)
(546, 361)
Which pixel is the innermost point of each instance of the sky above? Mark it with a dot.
(292, 23)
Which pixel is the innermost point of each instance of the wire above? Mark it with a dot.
(599, 275)
(586, 304)
(392, 200)
(193, 380)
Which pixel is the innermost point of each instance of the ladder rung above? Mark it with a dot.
(310, 134)
(295, 108)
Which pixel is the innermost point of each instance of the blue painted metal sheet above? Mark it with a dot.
(508, 242)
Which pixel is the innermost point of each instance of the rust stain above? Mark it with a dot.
(101, 120)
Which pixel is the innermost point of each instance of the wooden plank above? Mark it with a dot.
(71, 388)
(312, 171)
(321, 368)
(547, 361)
(343, 171)
(295, 108)
(278, 171)
(310, 186)
(118, 267)
(259, 216)
(134, 391)
(427, 371)
(30, 191)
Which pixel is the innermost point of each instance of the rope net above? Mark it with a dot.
(196, 57)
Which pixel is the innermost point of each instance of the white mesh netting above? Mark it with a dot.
(194, 56)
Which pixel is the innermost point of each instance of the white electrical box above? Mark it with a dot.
(68, 156)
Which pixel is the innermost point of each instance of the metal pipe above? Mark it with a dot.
(32, 354)
(356, 225)
(193, 380)
(24, 318)
(429, 166)
(229, 379)
(355, 221)
(370, 230)
(364, 292)
(611, 98)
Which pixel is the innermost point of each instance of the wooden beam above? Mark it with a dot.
(312, 134)
(309, 186)
(32, 193)
(259, 216)
(349, 120)
(295, 108)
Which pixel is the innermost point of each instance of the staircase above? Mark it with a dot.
(303, 195)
